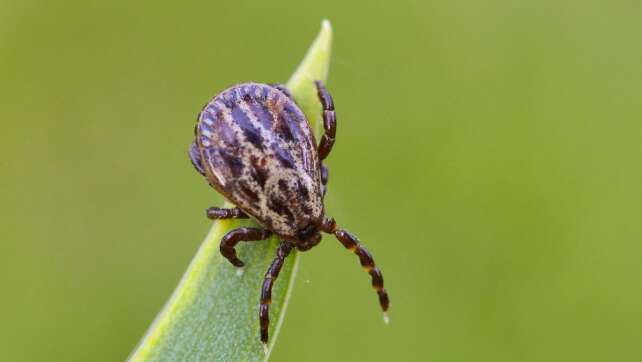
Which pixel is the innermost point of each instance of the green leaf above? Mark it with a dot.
(213, 313)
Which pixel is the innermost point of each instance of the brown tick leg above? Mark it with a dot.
(215, 213)
(325, 174)
(266, 290)
(282, 88)
(235, 236)
(329, 121)
(324, 178)
(367, 262)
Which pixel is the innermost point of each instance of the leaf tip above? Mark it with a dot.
(314, 65)
(326, 27)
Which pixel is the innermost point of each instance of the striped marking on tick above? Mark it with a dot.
(262, 156)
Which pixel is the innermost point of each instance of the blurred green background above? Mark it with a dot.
(488, 155)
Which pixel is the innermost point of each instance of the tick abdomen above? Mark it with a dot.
(258, 150)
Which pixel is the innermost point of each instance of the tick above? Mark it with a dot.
(254, 145)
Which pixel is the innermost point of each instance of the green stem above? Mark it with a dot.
(213, 313)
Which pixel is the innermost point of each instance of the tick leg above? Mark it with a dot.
(324, 177)
(282, 88)
(195, 156)
(215, 213)
(235, 236)
(352, 243)
(266, 290)
(329, 121)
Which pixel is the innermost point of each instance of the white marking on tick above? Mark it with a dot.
(207, 133)
(219, 177)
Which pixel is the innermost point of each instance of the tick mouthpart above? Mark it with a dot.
(386, 318)
(309, 242)
(308, 237)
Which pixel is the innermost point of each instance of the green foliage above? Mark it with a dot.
(213, 313)
(488, 154)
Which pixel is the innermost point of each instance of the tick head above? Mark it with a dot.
(308, 237)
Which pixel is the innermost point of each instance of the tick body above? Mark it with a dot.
(254, 145)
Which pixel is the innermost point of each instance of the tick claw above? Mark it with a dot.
(240, 271)
(386, 318)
